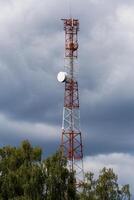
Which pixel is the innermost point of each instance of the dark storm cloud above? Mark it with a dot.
(31, 54)
(107, 79)
(27, 66)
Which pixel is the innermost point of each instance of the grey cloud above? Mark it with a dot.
(12, 132)
(32, 43)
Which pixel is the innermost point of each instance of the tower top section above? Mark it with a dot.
(71, 27)
(71, 23)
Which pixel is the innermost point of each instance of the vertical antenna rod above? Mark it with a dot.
(71, 142)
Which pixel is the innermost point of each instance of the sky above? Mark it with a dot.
(31, 99)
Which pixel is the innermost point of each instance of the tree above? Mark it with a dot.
(25, 176)
(105, 187)
(89, 187)
(59, 182)
(20, 175)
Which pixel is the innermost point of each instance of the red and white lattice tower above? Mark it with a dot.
(71, 143)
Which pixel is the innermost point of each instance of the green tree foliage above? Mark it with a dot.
(89, 187)
(20, 175)
(25, 176)
(106, 187)
(59, 183)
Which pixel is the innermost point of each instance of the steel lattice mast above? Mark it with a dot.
(71, 143)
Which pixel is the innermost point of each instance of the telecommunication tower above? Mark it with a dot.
(71, 142)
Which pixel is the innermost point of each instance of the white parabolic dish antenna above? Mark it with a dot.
(61, 76)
